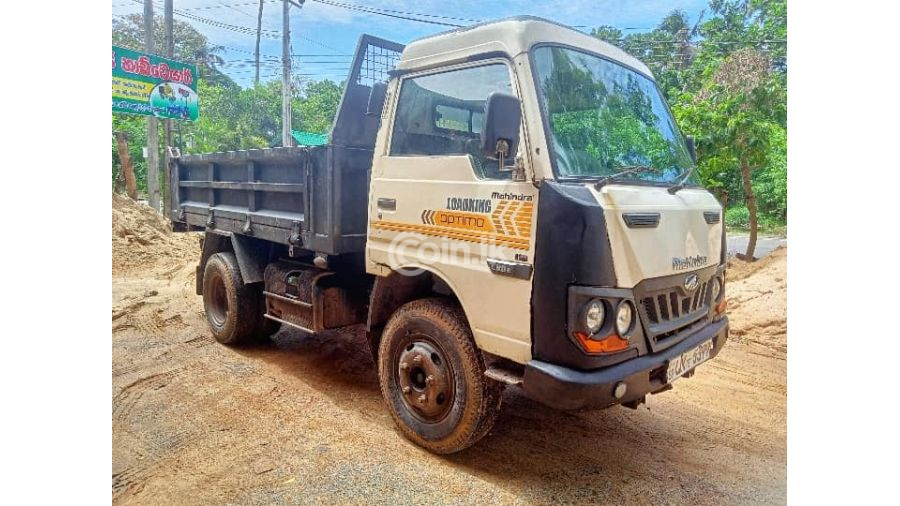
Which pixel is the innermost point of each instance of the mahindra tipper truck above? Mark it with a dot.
(509, 204)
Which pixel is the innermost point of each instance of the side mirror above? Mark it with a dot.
(502, 120)
(692, 149)
(376, 99)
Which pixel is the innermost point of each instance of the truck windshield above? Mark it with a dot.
(604, 117)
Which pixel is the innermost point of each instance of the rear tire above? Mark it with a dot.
(232, 308)
(432, 377)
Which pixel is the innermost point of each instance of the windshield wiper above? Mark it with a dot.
(630, 169)
(681, 184)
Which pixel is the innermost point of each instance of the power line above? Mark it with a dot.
(322, 44)
(385, 12)
(298, 55)
(246, 30)
(276, 65)
(405, 16)
(323, 73)
(616, 27)
(243, 50)
(208, 7)
(351, 6)
(374, 10)
(270, 34)
(271, 59)
(221, 5)
(250, 65)
(320, 55)
(235, 9)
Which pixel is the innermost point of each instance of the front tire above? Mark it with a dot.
(432, 377)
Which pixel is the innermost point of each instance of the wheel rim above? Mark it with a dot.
(425, 379)
(218, 301)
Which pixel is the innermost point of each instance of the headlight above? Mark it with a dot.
(716, 289)
(624, 317)
(594, 314)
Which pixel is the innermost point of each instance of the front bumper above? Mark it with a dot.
(563, 388)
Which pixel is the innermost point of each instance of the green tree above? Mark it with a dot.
(232, 118)
(735, 114)
(668, 49)
(770, 183)
(235, 118)
(135, 128)
(609, 34)
(317, 106)
(738, 24)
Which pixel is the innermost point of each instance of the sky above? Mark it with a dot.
(325, 35)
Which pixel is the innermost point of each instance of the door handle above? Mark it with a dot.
(387, 204)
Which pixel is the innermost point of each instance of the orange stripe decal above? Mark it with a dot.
(454, 233)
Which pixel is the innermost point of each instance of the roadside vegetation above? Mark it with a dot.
(724, 75)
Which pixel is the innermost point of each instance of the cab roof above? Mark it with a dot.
(512, 36)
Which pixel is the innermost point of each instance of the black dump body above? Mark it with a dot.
(314, 198)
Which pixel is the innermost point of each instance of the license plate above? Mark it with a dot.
(688, 360)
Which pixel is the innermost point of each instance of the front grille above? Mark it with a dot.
(671, 305)
(668, 311)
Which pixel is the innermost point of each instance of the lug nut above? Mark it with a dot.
(430, 379)
(406, 390)
(417, 359)
(422, 399)
(404, 366)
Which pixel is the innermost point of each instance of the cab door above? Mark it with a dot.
(437, 203)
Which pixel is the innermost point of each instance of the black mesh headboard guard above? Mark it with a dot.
(357, 119)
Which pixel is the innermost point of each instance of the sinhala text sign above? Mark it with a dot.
(154, 86)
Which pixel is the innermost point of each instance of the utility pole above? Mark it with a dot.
(152, 127)
(170, 52)
(286, 139)
(258, 33)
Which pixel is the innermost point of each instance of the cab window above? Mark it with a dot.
(443, 114)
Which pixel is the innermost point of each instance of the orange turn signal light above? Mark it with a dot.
(608, 344)
(720, 308)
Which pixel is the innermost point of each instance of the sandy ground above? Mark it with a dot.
(301, 420)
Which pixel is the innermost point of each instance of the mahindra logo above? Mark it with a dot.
(691, 283)
(687, 263)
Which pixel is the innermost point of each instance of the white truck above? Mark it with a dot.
(510, 203)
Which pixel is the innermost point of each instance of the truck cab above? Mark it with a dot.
(512, 204)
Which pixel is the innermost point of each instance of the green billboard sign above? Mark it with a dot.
(153, 86)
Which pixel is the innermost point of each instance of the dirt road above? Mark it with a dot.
(301, 420)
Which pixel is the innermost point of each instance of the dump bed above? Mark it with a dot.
(310, 197)
(314, 198)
